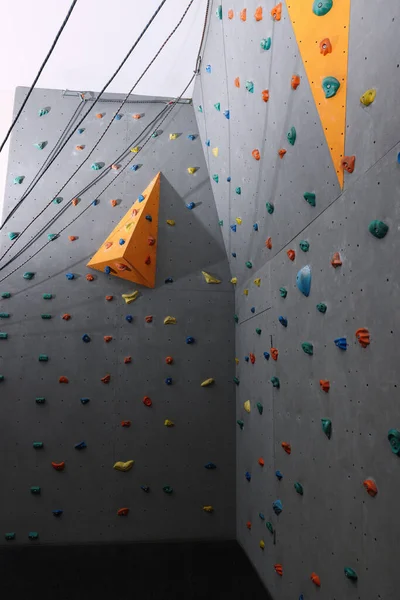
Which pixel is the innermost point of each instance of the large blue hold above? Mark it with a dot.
(341, 343)
(277, 507)
(303, 280)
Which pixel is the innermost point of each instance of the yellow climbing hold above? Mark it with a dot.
(246, 292)
(173, 136)
(169, 321)
(208, 509)
(209, 278)
(170, 222)
(262, 544)
(234, 280)
(135, 149)
(168, 423)
(215, 151)
(246, 406)
(124, 466)
(129, 226)
(207, 382)
(192, 170)
(257, 282)
(237, 361)
(368, 97)
(130, 297)
(238, 220)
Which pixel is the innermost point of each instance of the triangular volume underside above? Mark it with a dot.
(323, 42)
(135, 258)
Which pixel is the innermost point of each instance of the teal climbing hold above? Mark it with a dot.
(249, 265)
(216, 178)
(236, 380)
(4, 315)
(35, 489)
(40, 145)
(240, 423)
(310, 198)
(283, 292)
(303, 280)
(378, 229)
(275, 382)
(269, 526)
(260, 408)
(236, 318)
(200, 108)
(28, 275)
(2, 377)
(238, 191)
(330, 85)
(219, 12)
(265, 43)
(250, 87)
(299, 488)
(3, 336)
(394, 440)
(44, 111)
(221, 223)
(47, 296)
(38, 445)
(33, 535)
(327, 428)
(350, 573)
(45, 316)
(13, 235)
(217, 105)
(96, 166)
(270, 208)
(322, 307)
(308, 348)
(18, 180)
(168, 489)
(51, 236)
(322, 7)
(258, 330)
(57, 200)
(9, 536)
(43, 358)
(6, 295)
(304, 245)
(40, 400)
(291, 136)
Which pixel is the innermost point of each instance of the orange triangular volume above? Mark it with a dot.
(311, 32)
(135, 260)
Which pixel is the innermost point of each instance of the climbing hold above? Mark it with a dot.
(231, 14)
(270, 207)
(79, 148)
(96, 166)
(279, 569)
(124, 466)
(262, 543)
(106, 379)
(4, 315)
(234, 280)
(219, 12)
(258, 331)
(269, 526)
(277, 507)
(246, 358)
(86, 338)
(29, 275)
(5, 295)
(190, 340)
(257, 282)
(209, 278)
(283, 292)
(80, 131)
(238, 220)
(348, 163)
(276, 12)
(147, 401)
(283, 321)
(268, 243)
(58, 466)
(262, 516)
(236, 318)
(107, 338)
(215, 152)
(327, 427)
(40, 400)
(322, 307)
(243, 14)
(207, 382)
(236, 380)
(250, 87)
(170, 222)
(249, 265)
(149, 218)
(129, 318)
(169, 423)
(18, 180)
(210, 466)
(308, 348)
(394, 440)
(314, 577)
(341, 343)
(258, 15)
(44, 111)
(304, 245)
(217, 105)
(248, 476)
(42, 357)
(13, 235)
(378, 229)
(325, 46)
(331, 86)
(260, 408)
(118, 117)
(368, 97)
(325, 385)
(256, 154)
(336, 260)
(123, 512)
(299, 488)
(170, 321)
(255, 226)
(227, 115)
(200, 108)
(265, 43)
(168, 489)
(130, 297)
(127, 360)
(173, 136)
(169, 280)
(208, 509)
(362, 335)
(281, 152)
(240, 423)
(274, 353)
(46, 316)
(350, 574)
(322, 7)
(266, 355)
(279, 475)
(291, 254)
(37, 445)
(89, 277)
(80, 446)
(136, 167)
(287, 447)
(265, 95)
(145, 488)
(109, 298)
(295, 82)
(85, 400)
(33, 535)
(9, 536)
(246, 406)
(95, 202)
(291, 136)
(35, 489)
(310, 198)
(371, 487)
(216, 178)
(52, 236)
(114, 203)
(275, 382)
(99, 115)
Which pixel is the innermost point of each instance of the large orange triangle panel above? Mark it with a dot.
(134, 260)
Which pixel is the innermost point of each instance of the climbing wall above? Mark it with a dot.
(316, 289)
(115, 384)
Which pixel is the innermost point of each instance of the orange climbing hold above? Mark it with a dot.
(268, 243)
(291, 254)
(281, 152)
(336, 260)
(231, 14)
(108, 245)
(123, 512)
(325, 46)
(89, 277)
(315, 579)
(79, 147)
(109, 298)
(237, 82)
(325, 385)
(256, 154)
(99, 116)
(295, 82)
(107, 338)
(248, 524)
(370, 486)
(149, 319)
(279, 569)
(126, 423)
(66, 317)
(63, 379)
(243, 14)
(276, 12)
(252, 358)
(113, 202)
(115, 167)
(363, 336)
(274, 353)
(127, 360)
(258, 15)
(265, 95)
(287, 447)
(147, 401)
(261, 462)
(75, 201)
(58, 466)
(169, 360)
(348, 163)
(137, 116)
(106, 379)
(72, 238)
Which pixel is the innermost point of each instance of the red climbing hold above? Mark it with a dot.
(147, 401)
(237, 82)
(63, 380)
(151, 241)
(169, 360)
(274, 353)
(115, 167)
(109, 298)
(363, 336)
(148, 261)
(325, 46)
(113, 202)
(336, 260)
(121, 266)
(265, 95)
(126, 423)
(72, 238)
(231, 14)
(315, 579)
(279, 569)
(149, 319)
(276, 12)
(261, 462)
(58, 466)
(243, 14)
(256, 154)
(268, 243)
(287, 447)
(248, 524)
(66, 317)
(127, 360)
(348, 163)
(106, 379)
(258, 15)
(123, 512)
(89, 277)
(325, 385)
(252, 358)
(295, 82)
(370, 486)
(134, 213)
(281, 152)
(291, 254)
(108, 245)
(107, 338)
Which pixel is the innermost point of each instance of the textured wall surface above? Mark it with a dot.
(89, 490)
(335, 524)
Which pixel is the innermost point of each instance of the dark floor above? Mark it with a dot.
(170, 571)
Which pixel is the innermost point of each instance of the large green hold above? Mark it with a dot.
(43, 358)
(322, 7)
(217, 105)
(350, 573)
(304, 245)
(249, 265)
(258, 330)
(291, 136)
(308, 348)
(216, 178)
(38, 445)
(327, 427)
(96, 166)
(275, 382)
(4, 315)
(378, 229)
(19, 179)
(270, 208)
(283, 292)
(322, 307)
(310, 198)
(47, 296)
(260, 408)
(43, 112)
(3, 336)
(250, 87)
(40, 145)
(299, 488)
(57, 200)
(269, 526)
(6, 295)
(13, 235)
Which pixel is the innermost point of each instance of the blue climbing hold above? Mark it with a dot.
(277, 507)
(210, 465)
(341, 343)
(168, 381)
(169, 280)
(266, 355)
(208, 69)
(190, 340)
(107, 270)
(70, 276)
(234, 254)
(118, 117)
(283, 321)
(229, 179)
(262, 516)
(141, 198)
(145, 488)
(80, 131)
(248, 476)
(233, 227)
(303, 280)
(207, 142)
(398, 158)
(57, 513)
(129, 318)
(134, 167)
(246, 358)
(253, 309)
(85, 400)
(85, 338)
(190, 205)
(121, 242)
(191, 137)
(95, 202)
(227, 114)
(80, 446)
(149, 218)
(279, 475)
(255, 226)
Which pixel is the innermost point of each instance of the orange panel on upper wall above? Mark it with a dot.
(322, 33)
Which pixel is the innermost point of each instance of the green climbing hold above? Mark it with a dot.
(236, 318)
(330, 85)
(29, 275)
(260, 408)
(168, 489)
(258, 330)
(3, 336)
(51, 236)
(269, 526)
(43, 358)
(308, 348)
(265, 43)
(18, 180)
(96, 166)
(216, 178)
(47, 296)
(322, 7)
(327, 427)
(322, 307)
(6, 295)
(40, 145)
(304, 245)
(350, 573)
(13, 235)
(394, 439)
(236, 380)
(219, 12)
(217, 105)
(283, 292)
(9, 536)
(250, 87)
(200, 108)
(33, 535)
(40, 400)
(240, 423)
(35, 489)
(46, 316)
(1, 377)
(291, 136)
(37, 445)
(220, 223)
(310, 198)
(57, 200)
(275, 382)
(4, 315)
(43, 112)
(270, 208)
(249, 265)
(238, 190)
(299, 488)
(378, 229)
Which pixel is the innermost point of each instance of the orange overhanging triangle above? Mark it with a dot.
(135, 260)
